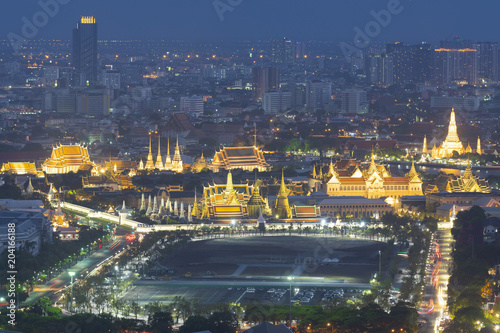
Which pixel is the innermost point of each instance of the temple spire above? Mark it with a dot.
(283, 190)
(149, 163)
(478, 149)
(159, 161)
(424, 148)
(452, 128)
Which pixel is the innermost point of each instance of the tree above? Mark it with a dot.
(223, 322)
(194, 324)
(10, 190)
(41, 306)
(161, 322)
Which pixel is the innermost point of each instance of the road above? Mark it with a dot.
(53, 287)
(437, 282)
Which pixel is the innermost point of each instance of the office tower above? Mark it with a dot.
(300, 50)
(381, 69)
(276, 101)
(283, 51)
(354, 101)
(422, 63)
(455, 66)
(487, 61)
(318, 93)
(85, 51)
(411, 63)
(193, 105)
(264, 79)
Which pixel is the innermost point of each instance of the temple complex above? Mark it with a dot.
(349, 179)
(451, 143)
(67, 158)
(246, 158)
(174, 164)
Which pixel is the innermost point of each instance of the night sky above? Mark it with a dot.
(197, 20)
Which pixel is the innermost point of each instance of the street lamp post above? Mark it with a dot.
(380, 265)
(71, 274)
(290, 279)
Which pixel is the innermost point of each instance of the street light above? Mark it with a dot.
(290, 278)
(71, 274)
(380, 265)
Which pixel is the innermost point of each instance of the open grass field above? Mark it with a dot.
(277, 256)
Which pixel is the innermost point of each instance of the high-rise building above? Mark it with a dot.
(264, 79)
(487, 61)
(381, 69)
(318, 93)
(283, 51)
(453, 66)
(354, 101)
(85, 51)
(411, 63)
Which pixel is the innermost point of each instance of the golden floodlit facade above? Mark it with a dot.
(373, 183)
(245, 158)
(68, 158)
(20, 168)
(451, 143)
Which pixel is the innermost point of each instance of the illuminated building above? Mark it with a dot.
(67, 158)
(354, 207)
(19, 168)
(59, 218)
(468, 183)
(452, 142)
(246, 158)
(374, 182)
(282, 208)
(199, 164)
(226, 200)
(85, 51)
(256, 204)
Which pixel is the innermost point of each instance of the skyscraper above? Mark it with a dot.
(453, 66)
(264, 79)
(284, 51)
(411, 63)
(85, 51)
(487, 61)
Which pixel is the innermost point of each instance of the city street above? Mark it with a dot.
(53, 287)
(437, 277)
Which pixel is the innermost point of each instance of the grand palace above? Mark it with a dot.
(349, 178)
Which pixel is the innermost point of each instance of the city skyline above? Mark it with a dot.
(232, 21)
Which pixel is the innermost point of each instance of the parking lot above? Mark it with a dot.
(244, 295)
